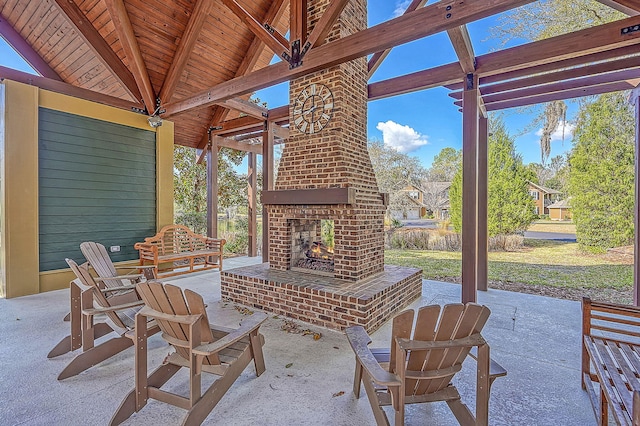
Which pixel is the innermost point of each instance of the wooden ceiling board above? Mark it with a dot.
(41, 21)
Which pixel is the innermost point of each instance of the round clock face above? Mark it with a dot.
(313, 108)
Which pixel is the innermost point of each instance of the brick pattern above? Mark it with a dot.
(324, 301)
(335, 157)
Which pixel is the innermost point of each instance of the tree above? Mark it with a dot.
(601, 181)
(510, 207)
(394, 172)
(445, 165)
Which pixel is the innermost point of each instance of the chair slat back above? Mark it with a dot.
(97, 256)
(123, 321)
(169, 299)
(455, 321)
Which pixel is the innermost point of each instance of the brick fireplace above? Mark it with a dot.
(327, 174)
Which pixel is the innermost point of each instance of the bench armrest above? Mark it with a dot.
(359, 341)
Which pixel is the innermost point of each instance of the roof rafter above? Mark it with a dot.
(378, 57)
(324, 25)
(199, 14)
(120, 18)
(25, 50)
(100, 47)
(247, 107)
(412, 26)
(298, 26)
(258, 29)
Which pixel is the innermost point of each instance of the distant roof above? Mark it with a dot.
(545, 189)
(562, 204)
(438, 186)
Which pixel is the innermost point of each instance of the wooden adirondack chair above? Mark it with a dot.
(97, 256)
(88, 299)
(423, 360)
(198, 347)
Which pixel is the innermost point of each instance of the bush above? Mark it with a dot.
(438, 240)
(196, 221)
(511, 242)
(238, 239)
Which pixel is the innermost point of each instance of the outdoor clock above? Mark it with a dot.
(313, 108)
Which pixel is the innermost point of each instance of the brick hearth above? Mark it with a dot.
(321, 300)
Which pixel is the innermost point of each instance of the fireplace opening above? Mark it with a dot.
(312, 246)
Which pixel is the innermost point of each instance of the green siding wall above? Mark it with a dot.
(97, 182)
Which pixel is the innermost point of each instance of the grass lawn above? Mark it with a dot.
(541, 264)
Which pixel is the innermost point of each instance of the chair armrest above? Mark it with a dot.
(248, 326)
(137, 267)
(180, 319)
(120, 277)
(495, 369)
(120, 288)
(359, 341)
(96, 311)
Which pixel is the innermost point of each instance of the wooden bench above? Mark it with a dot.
(611, 360)
(176, 243)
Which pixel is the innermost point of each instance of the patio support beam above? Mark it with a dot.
(274, 43)
(470, 189)
(297, 30)
(412, 26)
(267, 184)
(635, 98)
(188, 40)
(124, 29)
(246, 107)
(239, 146)
(482, 271)
(461, 42)
(100, 47)
(378, 57)
(252, 176)
(628, 7)
(212, 188)
(324, 25)
(24, 49)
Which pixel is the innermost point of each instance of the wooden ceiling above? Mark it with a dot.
(196, 61)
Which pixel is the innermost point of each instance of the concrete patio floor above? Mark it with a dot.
(307, 382)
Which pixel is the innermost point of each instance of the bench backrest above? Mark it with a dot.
(610, 320)
(177, 239)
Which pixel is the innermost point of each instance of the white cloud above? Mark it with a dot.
(557, 135)
(400, 137)
(401, 6)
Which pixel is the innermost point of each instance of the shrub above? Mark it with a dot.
(196, 221)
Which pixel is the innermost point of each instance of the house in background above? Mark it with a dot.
(560, 210)
(543, 197)
(432, 199)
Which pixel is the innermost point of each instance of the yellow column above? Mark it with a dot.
(19, 254)
(164, 173)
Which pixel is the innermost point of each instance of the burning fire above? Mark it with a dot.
(319, 250)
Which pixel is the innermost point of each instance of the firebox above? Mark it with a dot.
(312, 246)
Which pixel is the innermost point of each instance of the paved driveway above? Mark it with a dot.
(570, 238)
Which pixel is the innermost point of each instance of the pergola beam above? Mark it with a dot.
(99, 46)
(412, 26)
(188, 40)
(588, 70)
(25, 50)
(461, 42)
(324, 25)
(258, 29)
(239, 146)
(628, 7)
(297, 29)
(247, 107)
(124, 29)
(378, 57)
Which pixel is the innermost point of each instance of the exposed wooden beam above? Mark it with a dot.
(201, 154)
(212, 189)
(66, 89)
(461, 42)
(562, 95)
(635, 99)
(100, 47)
(246, 107)
(482, 240)
(188, 40)
(324, 25)
(124, 29)
(588, 70)
(628, 7)
(280, 132)
(380, 56)
(412, 26)
(239, 146)
(273, 15)
(605, 55)
(25, 50)
(237, 124)
(267, 185)
(560, 86)
(575, 48)
(421, 80)
(297, 29)
(278, 113)
(257, 29)
(252, 204)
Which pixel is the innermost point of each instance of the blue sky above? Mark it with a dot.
(420, 124)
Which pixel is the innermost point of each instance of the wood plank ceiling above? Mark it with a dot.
(196, 61)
